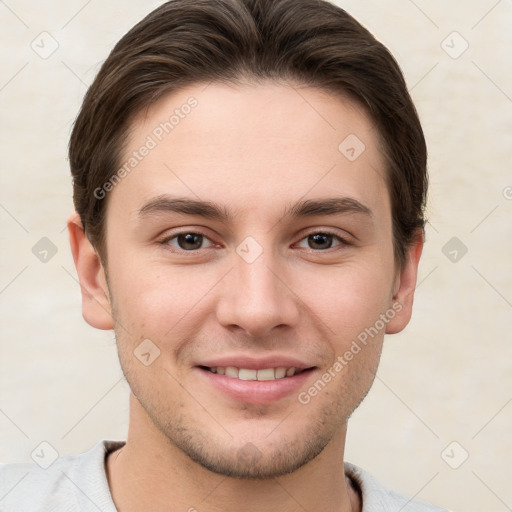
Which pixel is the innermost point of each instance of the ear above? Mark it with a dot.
(405, 285)
(96, 307)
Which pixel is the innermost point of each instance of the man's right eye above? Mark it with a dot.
(187, 241)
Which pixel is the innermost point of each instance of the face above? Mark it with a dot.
(250, 272)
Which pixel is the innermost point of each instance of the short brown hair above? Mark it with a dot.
(312, 42)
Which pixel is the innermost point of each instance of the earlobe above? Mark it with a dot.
(405, 286)
(96, 307)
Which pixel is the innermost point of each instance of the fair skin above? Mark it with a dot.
(206, 441)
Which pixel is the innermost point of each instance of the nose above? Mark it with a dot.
(256, 298)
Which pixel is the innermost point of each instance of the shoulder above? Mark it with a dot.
(378, 499)
(27, 486)
(64, 486)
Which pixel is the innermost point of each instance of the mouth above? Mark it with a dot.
(264, 374)
(261, 384)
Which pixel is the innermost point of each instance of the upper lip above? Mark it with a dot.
(253, 363)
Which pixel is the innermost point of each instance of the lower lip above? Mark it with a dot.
(256, 392)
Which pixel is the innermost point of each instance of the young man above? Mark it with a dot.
(249, 180)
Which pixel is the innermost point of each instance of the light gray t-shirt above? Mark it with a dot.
(78, 483)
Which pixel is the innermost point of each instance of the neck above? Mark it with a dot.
(151, 473)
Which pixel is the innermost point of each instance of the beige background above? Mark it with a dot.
(447, 378)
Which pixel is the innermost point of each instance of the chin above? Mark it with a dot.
(257, 453)
(248, 462)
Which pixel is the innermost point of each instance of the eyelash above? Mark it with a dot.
(342, 241)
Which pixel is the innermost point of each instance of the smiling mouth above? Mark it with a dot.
(264, 374)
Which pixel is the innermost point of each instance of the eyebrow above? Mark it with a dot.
(210, 210)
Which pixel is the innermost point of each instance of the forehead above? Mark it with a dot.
(245, 144)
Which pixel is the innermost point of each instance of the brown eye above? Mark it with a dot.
(187, 241)
(190, 241)
(321, 240)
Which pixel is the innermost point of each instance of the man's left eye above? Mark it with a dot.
(322, 240)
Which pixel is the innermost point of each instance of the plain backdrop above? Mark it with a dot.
(437, 422)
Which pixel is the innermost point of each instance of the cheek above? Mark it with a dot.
(155, 300)
(348, 298)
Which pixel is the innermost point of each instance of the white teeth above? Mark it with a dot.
(280, 373)
(266, 374)
(231, 371)
(249, 374)
(244, 374)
